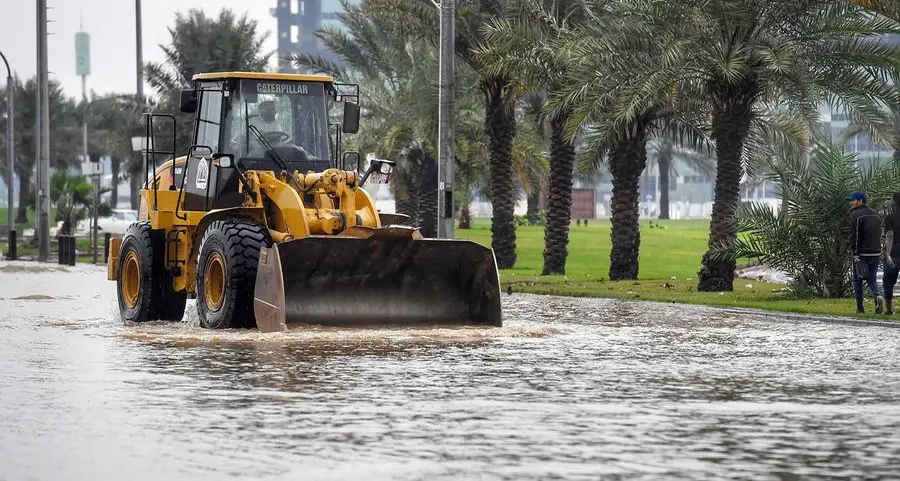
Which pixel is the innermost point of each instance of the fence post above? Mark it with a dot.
(106, 237)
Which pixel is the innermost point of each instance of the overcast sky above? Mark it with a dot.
(110, 24)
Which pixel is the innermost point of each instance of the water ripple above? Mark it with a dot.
(567, 389)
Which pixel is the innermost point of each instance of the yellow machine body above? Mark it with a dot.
(277, 243)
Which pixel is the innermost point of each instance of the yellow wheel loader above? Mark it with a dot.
(265, 222)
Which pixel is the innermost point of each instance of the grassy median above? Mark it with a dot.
(669, 260)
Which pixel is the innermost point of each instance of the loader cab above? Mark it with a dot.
(254, 117)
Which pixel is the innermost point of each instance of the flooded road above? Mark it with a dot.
(568, 389)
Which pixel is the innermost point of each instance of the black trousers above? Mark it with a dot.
(890, 277)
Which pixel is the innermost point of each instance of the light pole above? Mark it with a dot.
(139, 52)
(139, 55)
(445, 121)
(43, 130)
(10, 158)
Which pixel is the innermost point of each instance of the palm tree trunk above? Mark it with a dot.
(559, 205)
(730, 125)
(533, 209)
(463, 196)
(626, 163)
(465, 218)
(25, 199)
(428, 194)
(532, 212)
(500, 129)
(409, 182)
(406, 198)
(665, 167)
(897, 135)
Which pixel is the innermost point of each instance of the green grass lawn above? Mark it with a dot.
(673, 249)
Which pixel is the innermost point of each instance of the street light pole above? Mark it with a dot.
(44, 123)
(139, 55)
(139, 52)
(10, 159)
(446, 108)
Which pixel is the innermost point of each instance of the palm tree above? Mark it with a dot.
(112, 120)
(621, 91)
(665, 151)
(533, 108)
(523, 49)
(399, 89)
(73, 197)
(203, 44)
(420, 18)
(744, 54)
(65, 137)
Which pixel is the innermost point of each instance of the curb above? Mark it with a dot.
(769, 315)
(783, 316)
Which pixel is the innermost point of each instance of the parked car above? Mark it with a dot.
(115, 223)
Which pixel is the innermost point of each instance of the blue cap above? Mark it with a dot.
(857, 196)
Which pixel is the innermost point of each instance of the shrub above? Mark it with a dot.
(807, 239)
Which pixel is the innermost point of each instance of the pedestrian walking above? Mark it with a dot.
(865, 245)
(891, 253)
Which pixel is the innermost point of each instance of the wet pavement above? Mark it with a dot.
(567, 389)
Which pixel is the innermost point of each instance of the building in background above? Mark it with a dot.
(836, 122)
(297, 22)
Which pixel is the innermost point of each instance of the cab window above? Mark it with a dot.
(210, 116)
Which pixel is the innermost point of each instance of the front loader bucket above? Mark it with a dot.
(376, 276)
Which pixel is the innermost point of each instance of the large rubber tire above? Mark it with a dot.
(138, 284)
(226, 272)
(144, 287)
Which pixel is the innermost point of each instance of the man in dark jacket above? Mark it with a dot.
(865, 245)
(891, 253)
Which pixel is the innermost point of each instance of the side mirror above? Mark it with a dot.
(223, 161)
(351, 118)
(384, 167)
(189, 101)
(379, 170)
(350, 158)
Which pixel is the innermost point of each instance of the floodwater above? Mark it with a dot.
(568, 389)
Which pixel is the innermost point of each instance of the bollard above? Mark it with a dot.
(66, 250)
(106, 237)
(11, 255)
(72, 252)
(61, 247)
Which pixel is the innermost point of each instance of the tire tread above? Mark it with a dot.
(242, 239)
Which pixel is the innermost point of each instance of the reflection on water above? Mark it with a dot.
(567, 389)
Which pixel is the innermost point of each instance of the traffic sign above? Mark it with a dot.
(91, 168)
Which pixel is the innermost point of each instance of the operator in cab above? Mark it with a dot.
(266, 120)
